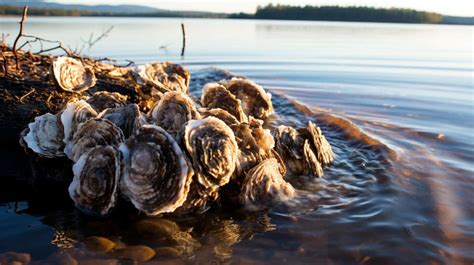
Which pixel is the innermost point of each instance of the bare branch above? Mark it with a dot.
(22, 24)
(184, 39)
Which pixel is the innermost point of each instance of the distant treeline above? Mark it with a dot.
(336, 13)
(283, 12)
(35, 11)
(356, 14)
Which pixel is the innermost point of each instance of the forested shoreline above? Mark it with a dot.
(277, 12)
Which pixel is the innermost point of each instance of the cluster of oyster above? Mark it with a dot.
(180, 154)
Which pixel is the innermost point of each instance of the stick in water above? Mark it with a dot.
(184, 39)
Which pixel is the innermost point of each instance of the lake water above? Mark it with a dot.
(395, 100)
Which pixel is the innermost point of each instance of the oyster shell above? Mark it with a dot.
(128, 118)
(173, 111)
(255, 101)
(71, 75)
(255, 144)
(199, 199)
(165, 76)
(104, 100)
(45, 136)
(305, 150)
(157, 177)
(215, 95)
(94, 188)
(221, 114)
(264, 186)
(92, 133)
(74, 114)
(213, 150)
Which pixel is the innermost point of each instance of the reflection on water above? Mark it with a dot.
(395, 101)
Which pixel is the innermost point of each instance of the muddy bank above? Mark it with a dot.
(31, 91)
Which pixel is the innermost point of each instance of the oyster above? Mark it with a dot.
(255, 101)
(215, 95)
(213, 150)
(264, 186)
(128, 118)
(45, 136)
(74, 114)
(157, 177)
(94, 188)
(221, 114)
(255, 144)
(173, 111)
(103, 100)
(164, 76)
(306, 150)
(92, 133)
(199, 199)
(71, 75)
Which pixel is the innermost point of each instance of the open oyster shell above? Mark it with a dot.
(173, 110)
(213, 150)
(45, 136)
(71, 75)
(221, 114)
(165, 76)
(94, 188)
(255, 101)
(104, 100)
(74, 114)
(305, 150)
(264, 186)
(215, 95)
(157, 176)
(128, 118)
(93, 133)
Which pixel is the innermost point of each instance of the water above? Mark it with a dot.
(395, 101)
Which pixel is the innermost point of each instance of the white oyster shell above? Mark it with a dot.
(255, 101)
(92, 133)
(74, 114)
(213, 150)
(71, 75)
(165, 76)
(157, 175)
(45, 136)
(215, 95)
(264, 186)
(94, 188)
(173, 110)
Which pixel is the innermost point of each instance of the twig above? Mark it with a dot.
(41, 40)
(5, 64)
(47, 101)
(27, 94)
(22, 23)
(184, 39)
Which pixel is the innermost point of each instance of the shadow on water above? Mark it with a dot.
(363, 210)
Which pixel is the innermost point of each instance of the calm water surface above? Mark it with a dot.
(396, 102)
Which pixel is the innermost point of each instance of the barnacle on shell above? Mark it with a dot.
(157, 176)
(92, 133)
(45, 136)
(173, 110)
(165, 76)
(213, 150)
(71, 75)
(104, 100)
(128, 118)
(264, 186)
(215, 95)
(94, 188)
(255, 101)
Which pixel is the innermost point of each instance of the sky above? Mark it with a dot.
(447, 7)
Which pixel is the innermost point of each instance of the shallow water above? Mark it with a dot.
(395, 101)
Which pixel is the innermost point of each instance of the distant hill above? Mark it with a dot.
(123, 9)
